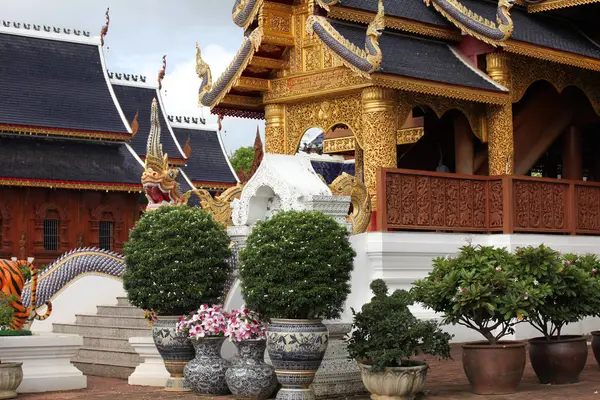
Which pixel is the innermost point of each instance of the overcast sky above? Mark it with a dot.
(142, 31)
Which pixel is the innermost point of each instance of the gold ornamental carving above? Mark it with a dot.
(498, 68)
(275, 128)
(339, 145)
(348, 185)
(501, 141)
(409, 136)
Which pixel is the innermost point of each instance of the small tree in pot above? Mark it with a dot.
(574, 294)
(11, 374)
(296, 270)
(386, 335)
(176, 260)
(482, 289)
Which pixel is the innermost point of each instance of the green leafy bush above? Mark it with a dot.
(176, 260)
(297, 265)
(387, 334)
(483, 289)
(6, 311)
(572, 280)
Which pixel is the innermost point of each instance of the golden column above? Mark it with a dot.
(501, 148)
(275, 128)
(358, 162)
(379, 128)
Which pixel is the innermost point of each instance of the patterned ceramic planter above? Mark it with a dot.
(249, 377)
(11, 376)
(401, 383)
(296, 348)
(175, 350)
(206, 372)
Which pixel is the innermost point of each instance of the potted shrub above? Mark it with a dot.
(206, 330)
(11, 374)
(295, 271)
(175, 261)
(482, 289)
(386, 336)
(249, 377)
(574, 294)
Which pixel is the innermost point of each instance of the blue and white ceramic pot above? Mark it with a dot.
(206, 372)
(249, 377)
(296, 348)
(175, 350)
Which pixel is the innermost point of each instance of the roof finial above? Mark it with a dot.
(258, 156)
(134, 124)
(104, 30)
(187, 149)
(161, 73)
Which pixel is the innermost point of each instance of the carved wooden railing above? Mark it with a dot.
(434, 201)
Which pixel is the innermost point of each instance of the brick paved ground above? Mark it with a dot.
(446, 381)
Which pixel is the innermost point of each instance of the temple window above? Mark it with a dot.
(106, 235)
(51, 233)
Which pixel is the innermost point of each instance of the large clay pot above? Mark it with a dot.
(175, 350)
(296, 348)
(399, 383)
(494, 369)
(206, 372)
(249, 377)
(11, 376)
(596, 345)
(558, 362)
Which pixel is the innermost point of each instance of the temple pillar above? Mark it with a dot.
(275, 128)
(380, 115)
(464, 146)
(572, 154)
(501, 149)
(358, 163)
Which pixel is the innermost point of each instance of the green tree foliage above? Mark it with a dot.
(387, 334)
(244, 156)
(573, 282)
(176, 260)
(297, 265)
(6, 311)
(483, 289)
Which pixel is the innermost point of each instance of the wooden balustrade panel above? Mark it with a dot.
(437, 201)
(587, 217)
(540, 206)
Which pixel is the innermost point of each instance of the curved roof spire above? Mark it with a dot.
(162, 72)
(104, 29)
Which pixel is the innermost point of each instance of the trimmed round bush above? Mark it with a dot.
(297, 265)
(176, 260)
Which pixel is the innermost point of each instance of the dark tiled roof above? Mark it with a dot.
(55, 84)
(409, 9)
(70, 160)
(331, 170)
(139, 99)
(207, 162)
(418, 58)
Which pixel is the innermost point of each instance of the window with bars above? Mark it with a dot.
(51, 234)
(105, 233)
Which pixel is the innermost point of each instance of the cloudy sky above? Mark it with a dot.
(142, 31)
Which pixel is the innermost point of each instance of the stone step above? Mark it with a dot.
(107, 321)
(109, 356)
(123, 301)
(120, 311)
(107, 343)
(117, 332)
(120, 370)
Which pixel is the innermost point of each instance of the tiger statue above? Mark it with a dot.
(12, 281)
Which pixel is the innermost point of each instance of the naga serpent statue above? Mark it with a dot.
(360, 212)
(362, 61)
(210, 94)
(469, 22)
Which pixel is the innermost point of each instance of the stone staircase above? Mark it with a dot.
(106, 350)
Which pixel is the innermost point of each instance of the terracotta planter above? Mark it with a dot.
(558, 362)
(11, 376)
(494, 369)
(596, 345)
(399, 383)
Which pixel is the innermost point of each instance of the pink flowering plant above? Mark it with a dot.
(206, 322)
(244, 324)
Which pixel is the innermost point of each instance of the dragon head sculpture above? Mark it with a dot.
(158, 179)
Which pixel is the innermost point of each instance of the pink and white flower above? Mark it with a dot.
(206, 322)
(244, 324)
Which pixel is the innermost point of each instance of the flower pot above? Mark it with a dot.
(11, 376)
(175, 350)
(249, 377)
(494, 369)
(596, 345)
(398, 383)
(296, 348)
(558, 362)
(205, 374)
